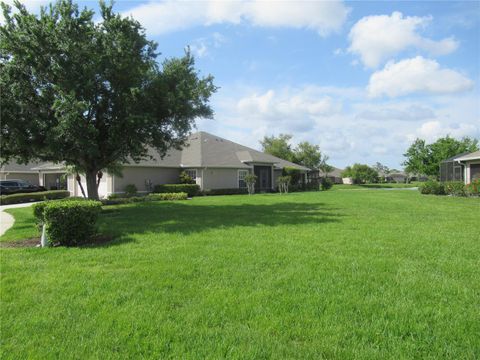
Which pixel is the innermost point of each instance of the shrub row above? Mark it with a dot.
(68, 222)
(454, 188)
(37, 196)
(190, 189)
(150, 197)
(233, 191)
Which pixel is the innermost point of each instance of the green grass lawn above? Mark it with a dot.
(339, 274)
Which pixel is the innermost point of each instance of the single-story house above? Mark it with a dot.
(14, 170)
(335, 175)
(394, 176)
(211, 161)
(471, 166)
(462, 167)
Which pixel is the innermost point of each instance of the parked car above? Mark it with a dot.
(15, 186)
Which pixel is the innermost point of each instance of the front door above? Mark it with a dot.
(264, 178)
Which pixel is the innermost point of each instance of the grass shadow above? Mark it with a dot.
(188, 218)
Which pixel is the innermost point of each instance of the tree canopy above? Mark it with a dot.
(361, 173)
(308, 155)
(425, 159)
(89, 92)
(305, 153)
(278, 146)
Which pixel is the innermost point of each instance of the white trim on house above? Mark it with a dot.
(192, 173)
(238, 177)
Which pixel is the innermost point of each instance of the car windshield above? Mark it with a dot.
(7, 183)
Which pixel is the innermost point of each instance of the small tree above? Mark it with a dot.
(250, 180)
(185, 178)
(324, 167)
(294, 174)
(283, 182)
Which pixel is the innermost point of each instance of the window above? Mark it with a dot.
(192, 173)
(241, 178)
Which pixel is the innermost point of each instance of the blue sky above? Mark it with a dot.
(361, 79)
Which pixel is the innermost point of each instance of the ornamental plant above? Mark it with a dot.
(250, 180)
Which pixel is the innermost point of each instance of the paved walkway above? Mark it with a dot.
(7, 220)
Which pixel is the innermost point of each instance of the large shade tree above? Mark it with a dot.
(89, 92)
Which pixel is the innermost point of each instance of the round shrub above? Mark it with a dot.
(326, 184)
(130, 190)
(432, 187)
(70, 222)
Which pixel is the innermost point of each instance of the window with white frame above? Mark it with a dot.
(241, 178)
(192, 173)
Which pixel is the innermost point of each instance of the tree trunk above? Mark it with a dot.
(92, 190)
(79, 181)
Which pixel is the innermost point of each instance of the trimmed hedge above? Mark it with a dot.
(37, 196)
(69, 222)
(167, 196)
(234, 191)
(453, 188)
(190, 189)
(149, 197)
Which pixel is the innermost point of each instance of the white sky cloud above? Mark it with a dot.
(347, 124)
(397, 112)
(433, 130)
(167, 16)
(380, 37)
(416, 75)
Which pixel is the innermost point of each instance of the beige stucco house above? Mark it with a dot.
(471, 166)
(213, 162)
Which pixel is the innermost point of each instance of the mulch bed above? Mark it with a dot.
(35, 242)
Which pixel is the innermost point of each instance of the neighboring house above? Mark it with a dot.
(395, 176)
(470, 164)
(335, 175)
(452, 170)
(20, 171)
(213, 162)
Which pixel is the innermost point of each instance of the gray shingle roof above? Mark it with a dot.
(206, 150)
(16, 167)
(469, 156)
(202, 150)
(336, 172)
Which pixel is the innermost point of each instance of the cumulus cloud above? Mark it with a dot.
(380, 37)
(433, 130)
(323, 17)
(416, 75)
(201, 47)
(293, 110)
(403, 113)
